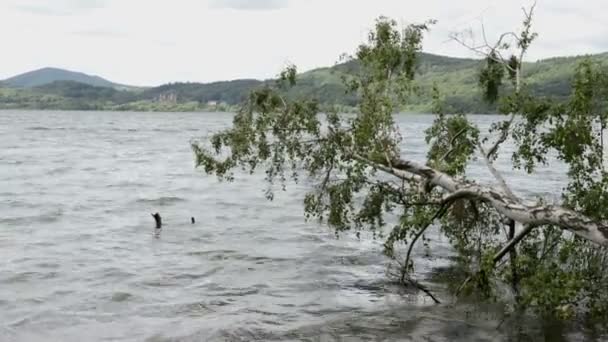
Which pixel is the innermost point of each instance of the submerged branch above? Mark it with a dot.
(498, 256)
(404, 279)
(423, 289)
(438, 214)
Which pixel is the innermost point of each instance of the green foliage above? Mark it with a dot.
(490, 77)
(290, 140)
(550, 272)
(452, 143)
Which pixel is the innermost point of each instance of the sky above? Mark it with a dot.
(151, 42)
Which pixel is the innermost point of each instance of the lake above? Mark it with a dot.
(81, 262)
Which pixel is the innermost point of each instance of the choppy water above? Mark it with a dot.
(79, 260)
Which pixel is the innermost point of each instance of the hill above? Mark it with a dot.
(455, 77)
(49, 75)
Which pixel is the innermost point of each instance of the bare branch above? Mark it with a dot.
(529, 14)
(486, 49)
(480, 50)
(497, 175)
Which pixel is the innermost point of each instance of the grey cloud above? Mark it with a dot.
(60, 8)
(250, 4)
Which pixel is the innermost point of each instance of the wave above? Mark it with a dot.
(13, 162)
(59, 170)
(121, 296)
(42, 218)
(170, 130)
(14, 202)
(127, 184)
(42, 128)
(161, 201)
(124, 129)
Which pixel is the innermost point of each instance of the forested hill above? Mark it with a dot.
(456, 78)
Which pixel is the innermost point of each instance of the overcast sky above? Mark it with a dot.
(150, 42)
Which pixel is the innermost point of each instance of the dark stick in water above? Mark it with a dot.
(158, 220)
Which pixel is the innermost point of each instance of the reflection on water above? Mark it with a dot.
(82, 261)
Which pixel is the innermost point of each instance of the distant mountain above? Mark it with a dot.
(49, 75)
(456, 79)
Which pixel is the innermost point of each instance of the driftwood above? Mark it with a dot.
(158, 220)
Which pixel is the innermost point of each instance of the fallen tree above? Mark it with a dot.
(556, 260)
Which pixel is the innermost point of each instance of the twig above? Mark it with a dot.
(549, 250)
(481, 50)
(452, 141)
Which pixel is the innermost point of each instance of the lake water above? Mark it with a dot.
(80, 260)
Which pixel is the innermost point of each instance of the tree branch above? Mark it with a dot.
(535, 215)
(512, 243)
(387, 169)
(503, 137)
(497, 174)
(486, 49)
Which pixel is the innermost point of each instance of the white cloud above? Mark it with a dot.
(249, 4)
(100, 33)
(148, 42)
(58, 7)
